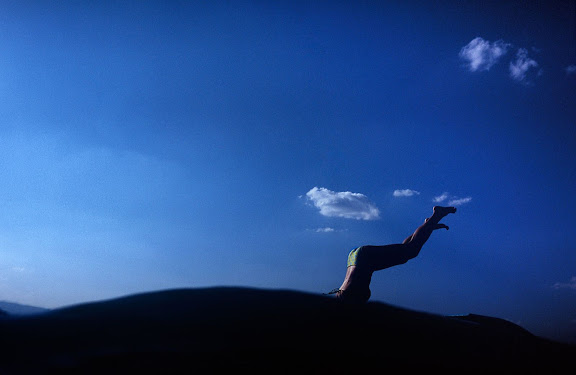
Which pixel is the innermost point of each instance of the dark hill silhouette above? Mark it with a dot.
(266, 331)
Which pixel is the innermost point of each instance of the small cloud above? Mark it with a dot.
(343, 204)
(18, 269)
(452, 200)
(405, 193)
(521, 66)
(569, 285)
(571, 70)
(459, 201)
(481, 55)
(324, 230)
(440, 198)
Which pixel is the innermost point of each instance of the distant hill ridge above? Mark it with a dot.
(18, 309)
(266, 331)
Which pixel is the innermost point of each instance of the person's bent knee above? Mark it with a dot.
(411, 251)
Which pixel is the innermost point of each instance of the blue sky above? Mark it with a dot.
(155, 145)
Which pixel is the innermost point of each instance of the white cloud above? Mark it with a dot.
(405, 193)
(324, 230)
(440, 198)
(343, 204)
(522, 64)
(481, 55)
(569, 285)
(452, 200)
(459, 201)
(571, 69)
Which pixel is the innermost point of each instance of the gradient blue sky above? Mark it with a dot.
(154, 145)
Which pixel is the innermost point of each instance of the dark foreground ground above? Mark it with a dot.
(267, 331)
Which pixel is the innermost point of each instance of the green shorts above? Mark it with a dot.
(353, 256)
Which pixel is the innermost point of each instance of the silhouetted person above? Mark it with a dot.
(364, 260)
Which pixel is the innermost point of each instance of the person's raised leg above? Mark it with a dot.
(381, 257)
(437, 226)
(423, 232)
